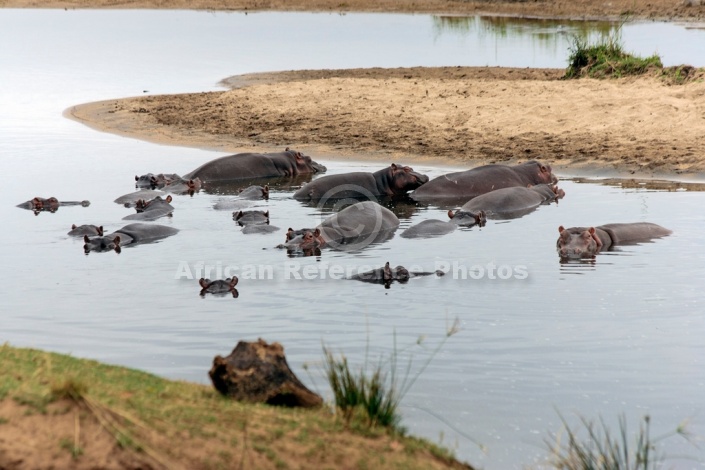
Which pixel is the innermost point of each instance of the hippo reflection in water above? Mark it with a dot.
(256, 165)
(353, 228)
(131, 234)
(586, 242)
(465, 185)
(395, 180)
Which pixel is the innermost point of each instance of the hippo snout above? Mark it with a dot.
(423, 179)
(318, 168)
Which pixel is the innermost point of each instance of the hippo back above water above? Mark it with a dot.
(514, 202)
(395, 180)
(353, 228)
(465, 185)
(256, 165)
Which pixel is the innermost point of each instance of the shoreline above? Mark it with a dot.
(636, 127)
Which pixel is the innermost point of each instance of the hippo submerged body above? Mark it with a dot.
(128, 235)
(256, 165)
(394, 180)
(352, 228)
(581, 242)
(465, 185)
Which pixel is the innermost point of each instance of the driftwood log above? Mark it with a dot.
(258, 372)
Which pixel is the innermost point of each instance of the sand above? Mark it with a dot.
(464, 116)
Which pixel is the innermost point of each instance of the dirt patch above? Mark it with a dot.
(460, 115)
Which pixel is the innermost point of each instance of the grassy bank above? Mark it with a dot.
(74, 413)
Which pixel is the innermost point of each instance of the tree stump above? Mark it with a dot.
(258, 372)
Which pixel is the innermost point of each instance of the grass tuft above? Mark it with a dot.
(378, 392)
(599, 449)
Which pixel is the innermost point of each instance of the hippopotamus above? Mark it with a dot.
(152, 210)
(510, 203)
(184, 186)
(586, 242)
(436, 228)
(219, 287)
(395, 180)
(81, 230)
(354, 227)
(131, 234)
(51, 204)
(465, 185)
(129, 200)
(152, 181)
(255, 192)
(387, 275)
(251, 218)
(505, 203)
(256, 165)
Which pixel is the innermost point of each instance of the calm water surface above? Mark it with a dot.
(622, 334)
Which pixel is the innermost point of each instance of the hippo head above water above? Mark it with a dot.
(544, 173)
(219, 287)
(101, 244)
(580, 243)
(303, 163)
(402, 179)
(304, 241)
(467, 218)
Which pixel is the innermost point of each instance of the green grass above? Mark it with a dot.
(146, 414)
(606, 59)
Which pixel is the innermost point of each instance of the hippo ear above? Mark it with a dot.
(317, 233)
(169, 198)
(100, 231)
(233, 281)
(450, 214)
(137, 178)
(238, 215)
(203, 283)
(116, 240)
(118, 250)
(286, 149)
(86, 239)
(560, 229)
(73, 226)
(394, 166)
(387, 272)
(266, 214)
(595, 237)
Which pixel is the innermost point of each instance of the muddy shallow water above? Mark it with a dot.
(620, 334)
